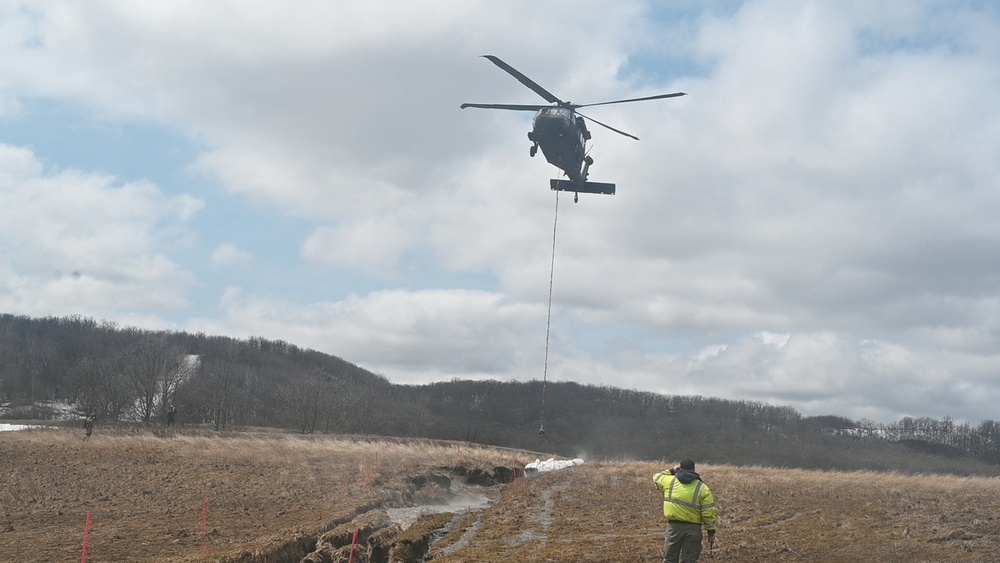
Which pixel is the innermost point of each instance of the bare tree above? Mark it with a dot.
(227, 382)
(223, 379)
(152, 366)
(305, 398)
(101, 387)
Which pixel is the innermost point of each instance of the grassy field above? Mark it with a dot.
(612, 512)
(261, 497)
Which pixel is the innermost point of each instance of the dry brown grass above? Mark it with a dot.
(145, 494)
(612, 512)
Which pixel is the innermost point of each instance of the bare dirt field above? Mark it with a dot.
(151, 496)
(612, 512)
(270, 497)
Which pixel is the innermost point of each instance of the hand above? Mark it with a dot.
(711, 540)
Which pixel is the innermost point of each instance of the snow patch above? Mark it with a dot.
(552, 464)
(13, 427)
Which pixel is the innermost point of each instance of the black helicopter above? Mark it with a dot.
(562, 133)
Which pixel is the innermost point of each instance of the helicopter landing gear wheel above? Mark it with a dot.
(533, 150)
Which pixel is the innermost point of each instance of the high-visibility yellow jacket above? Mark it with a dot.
(686, 498)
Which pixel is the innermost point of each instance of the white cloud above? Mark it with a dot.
(78, 243)
(228, 255)
(373, 246)
(813, 224)
(412, 336)
(828, 373)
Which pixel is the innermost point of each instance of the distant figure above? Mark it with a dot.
(171, 415)
(88, 425)
(688, 504)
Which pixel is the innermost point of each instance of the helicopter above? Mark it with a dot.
(561, 132)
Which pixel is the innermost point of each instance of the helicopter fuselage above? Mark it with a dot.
(562, 136)
(562, 133)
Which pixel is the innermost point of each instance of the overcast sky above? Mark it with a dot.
(814, 225)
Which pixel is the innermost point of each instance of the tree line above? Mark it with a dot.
(132, 375)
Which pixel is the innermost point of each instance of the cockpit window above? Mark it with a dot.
(556, 111)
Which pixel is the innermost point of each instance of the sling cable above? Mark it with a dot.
(548, 320)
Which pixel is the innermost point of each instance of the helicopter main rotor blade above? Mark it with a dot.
(524, 80)
(606, 126)
(657, 97)
(515, 107)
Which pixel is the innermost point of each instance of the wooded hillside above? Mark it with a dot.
(125, 374)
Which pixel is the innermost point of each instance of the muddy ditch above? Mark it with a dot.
(398, 529)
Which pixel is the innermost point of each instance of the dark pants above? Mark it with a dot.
(683, 543)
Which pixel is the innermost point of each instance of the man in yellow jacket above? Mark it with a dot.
(688, 504)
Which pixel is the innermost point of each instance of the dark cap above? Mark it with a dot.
(687, 464)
